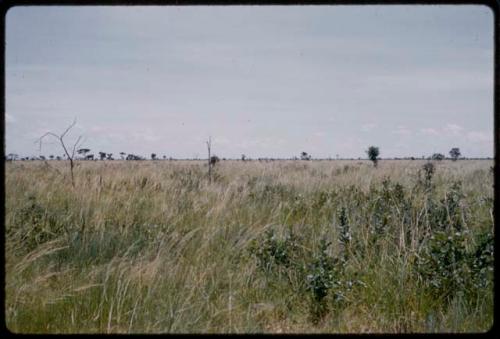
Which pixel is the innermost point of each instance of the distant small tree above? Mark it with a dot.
(164, 157)
(153, 156)
(437, 156)
(134, 157)
(102, 155)
(122, 154)
(213, 160)
(58, 157)
(243, 156)
(373, 152)
(42, 157)
(305, 156)
(50, 156)
(83, 151)
(455, 153)
(109, 156)
(12, 156)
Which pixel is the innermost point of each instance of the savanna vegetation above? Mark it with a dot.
(274, 247)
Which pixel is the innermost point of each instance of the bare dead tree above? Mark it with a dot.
(69, 155)
(209, 146)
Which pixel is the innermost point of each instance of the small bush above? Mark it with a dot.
(446, 214)
(321, 277)
(272, 251)
(428, 173)
(481, 261)
(326, 277)
(443, 267)
(35, 224)
(446, 269)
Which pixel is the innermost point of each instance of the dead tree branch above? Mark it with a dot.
(209, 145)
(63, 145)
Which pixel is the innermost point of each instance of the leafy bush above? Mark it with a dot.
(35, 224)
(322, 272)
(271, 251)
(447, 269)
(321, 277)
(326, 276)
(380, 217)
(443, 267)
(447, 213)
(481, 261)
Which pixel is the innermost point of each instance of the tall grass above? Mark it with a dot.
(153, 247)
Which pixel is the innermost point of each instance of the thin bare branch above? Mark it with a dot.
(39, 140)
(63, 145)
(65, 150)
(67, 129)
(75, 146)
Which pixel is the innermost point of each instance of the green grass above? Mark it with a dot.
(152, 247)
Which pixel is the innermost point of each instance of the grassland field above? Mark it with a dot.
(266, 247)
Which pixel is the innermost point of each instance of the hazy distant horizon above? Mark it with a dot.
(162, 157)
(264, 81)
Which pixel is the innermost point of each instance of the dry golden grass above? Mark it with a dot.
(153, 247)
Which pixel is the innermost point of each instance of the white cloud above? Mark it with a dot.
(429, 131)
(480, 136)
(402, 130)
(452, 129)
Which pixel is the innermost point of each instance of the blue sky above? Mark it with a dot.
(265, 81)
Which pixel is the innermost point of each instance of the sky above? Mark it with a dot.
(264, 81)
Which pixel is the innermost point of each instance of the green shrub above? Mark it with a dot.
(481, 260)
(34, 224)
(447, 269)
(322, 272)
(443, 267)
(326, 276)
(446, 214)
(271, 250)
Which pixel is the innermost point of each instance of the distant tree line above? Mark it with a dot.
(373, 154)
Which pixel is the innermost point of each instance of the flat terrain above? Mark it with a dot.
(275, 247)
